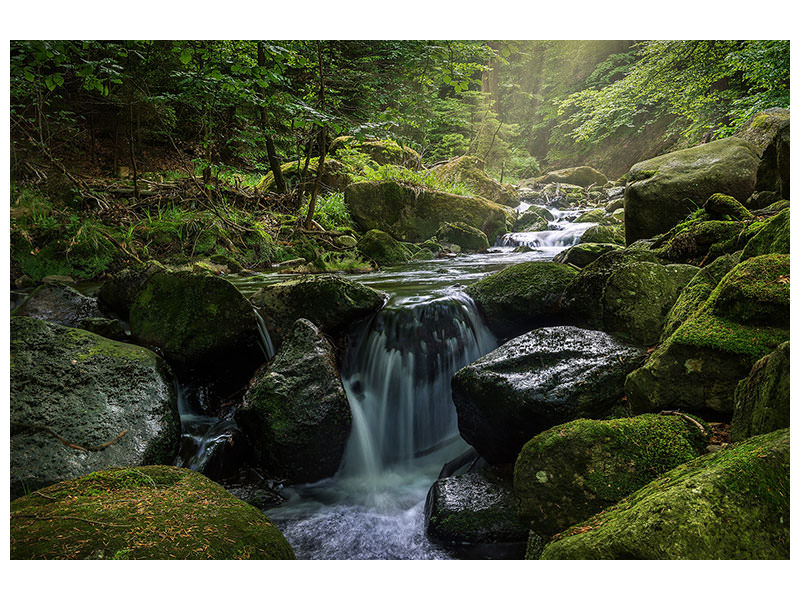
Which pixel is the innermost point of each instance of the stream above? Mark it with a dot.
(396, 374)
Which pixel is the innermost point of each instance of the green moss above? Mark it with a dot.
(151, 513)
(731, 504)
(773, 237)
(604, 234)
(721, 205)
(383, 248)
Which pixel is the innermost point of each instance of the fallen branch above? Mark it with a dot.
(53, 517)
(687, 417)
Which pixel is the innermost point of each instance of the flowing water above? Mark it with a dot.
(396, 373)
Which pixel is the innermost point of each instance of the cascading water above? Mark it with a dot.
(560, 233)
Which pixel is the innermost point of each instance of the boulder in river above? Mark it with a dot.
(331, 302)
(697, 367)
(382, 248)
(522, 296)
(58, 303)
(761, 400)
(201, 323)
(573, 471)
(118, 293)
(661, 191)
(732, 504)
(467, 237)
(148, 513)
(470, 170)
(81, 402)
(295, 413)
(413, 214)
(773, 237)
(535, 381)
(584, 253)
(474, 515)
(604, 234)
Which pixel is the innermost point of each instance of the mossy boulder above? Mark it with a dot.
(413, 214)
(596, 215)
(201, 323)
(335, 175)
(112, 329)
(88, 391)
(697, 367)
(146, 513)
(58, 303)
(530, 221)
(637, 297)
(331, 302)
(720, 206)
(295, 413)
(382, 152)
(773, 237)
(568, 473)
(583, 176)
(521, 296)
(584, 253)
(761, 400)
(540, 211)
(731, 504)
(604, 234)
(696, 292)
(467, 237)
(469, 170)
(474, 515)
(582, 298)
(535, 381)
(382, 248)
(118, 293)
(699, 240)
(661, 191)
(769, 132)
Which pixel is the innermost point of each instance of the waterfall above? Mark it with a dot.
(560, 233)
(397, 378)
(265, 340)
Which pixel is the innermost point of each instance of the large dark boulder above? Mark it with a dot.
(383, 249)
(295, 413)
(522, 296)
(573, 471)
(201, 324)
(661, 191)
(147, 513)
(474, 515)
(60, 304)
(698, 366)
(413, 214)
(464, 236)
(732, 504)
(535, 381)
(761, 400)
(769, 132)
(583, 254)
(73, 392)
(331, 302)
(118, 293)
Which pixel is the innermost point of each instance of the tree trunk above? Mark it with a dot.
(323, 144)
(274, 165)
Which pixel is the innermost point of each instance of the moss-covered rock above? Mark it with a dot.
(773, 237)
(573, 471)
(112, 329)
(87, 390)
(582, 299)
(150, 513)
(663, 190)
(637, 297)
(698, 367)
(465, 236)
(335, 175)
(584, 253)
(530, 221)
(201, 323)
(469, 170)
(761, 400)
(720, 206)
(521, 296)
(414, 214)
(731, 504)
(604, 234)
(769, 132)
(118, 293)
(475, 516)
(331, 302)
(596, 215)
(382, 152)
(699, 240)
(383, 248)
(696, 292)
(583, 176)
(533, 382)
(295, 413)
(58, 303)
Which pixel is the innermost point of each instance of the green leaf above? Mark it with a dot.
(186, 55)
